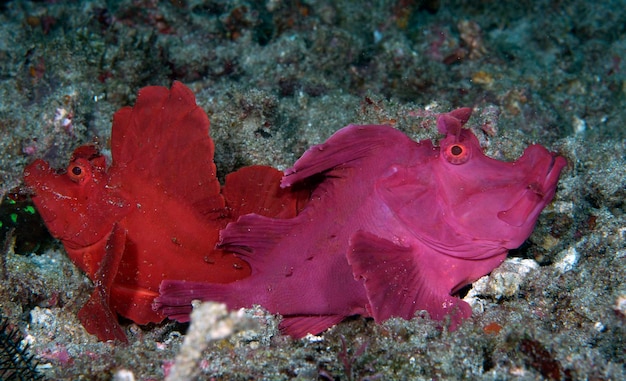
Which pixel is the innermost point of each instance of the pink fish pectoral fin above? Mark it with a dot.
(388, 274)
(96, 315)
(395, 283)
(299, 326)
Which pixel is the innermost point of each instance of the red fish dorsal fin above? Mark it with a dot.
(256, 189)
(164, 139)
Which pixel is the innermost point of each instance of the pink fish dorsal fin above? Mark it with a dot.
(397, 284)
(346, 147)
(164, 140)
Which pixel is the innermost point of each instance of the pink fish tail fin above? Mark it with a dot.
(175, 297)
(397, 285)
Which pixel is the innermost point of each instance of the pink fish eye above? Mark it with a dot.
(456, 153)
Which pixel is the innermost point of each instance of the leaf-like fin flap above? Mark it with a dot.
(131, 125)
(395, 283)
(345, 148)
(99, 320)
(121, 131)
(299, 326)
(135, 304)
(253, 237)
(451, 122)
(388, 273)
(164, 139)
(96, 315)
(256, 189)
(175, 297)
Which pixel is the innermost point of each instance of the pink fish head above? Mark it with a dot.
(488, 199)
(76, 199)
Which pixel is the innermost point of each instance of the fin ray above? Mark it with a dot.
(348, 145)
(299, 326)
(396, 284)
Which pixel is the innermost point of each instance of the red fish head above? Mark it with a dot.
(488, 199)
(76, 200)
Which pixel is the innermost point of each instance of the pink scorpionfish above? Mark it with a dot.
(394, 226)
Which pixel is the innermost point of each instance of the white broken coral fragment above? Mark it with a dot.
(620, 305)
(209, 322)
(504, 281)
(566, 259)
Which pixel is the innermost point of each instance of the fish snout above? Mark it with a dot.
(544, 169)
(554, 171)
(34, 173)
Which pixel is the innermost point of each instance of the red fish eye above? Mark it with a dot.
(456, 153)
(77, 172)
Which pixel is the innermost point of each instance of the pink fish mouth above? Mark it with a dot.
(539, 192)
(554, 171)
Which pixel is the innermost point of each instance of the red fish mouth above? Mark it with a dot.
(34, 174)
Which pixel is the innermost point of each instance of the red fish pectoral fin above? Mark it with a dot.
(99, 320)
(96, 315)
(395, 283)
(299, 326)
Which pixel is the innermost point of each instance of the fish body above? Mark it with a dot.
(155, 213)
(393, 226)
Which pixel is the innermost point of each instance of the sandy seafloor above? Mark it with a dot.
(278, 76)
